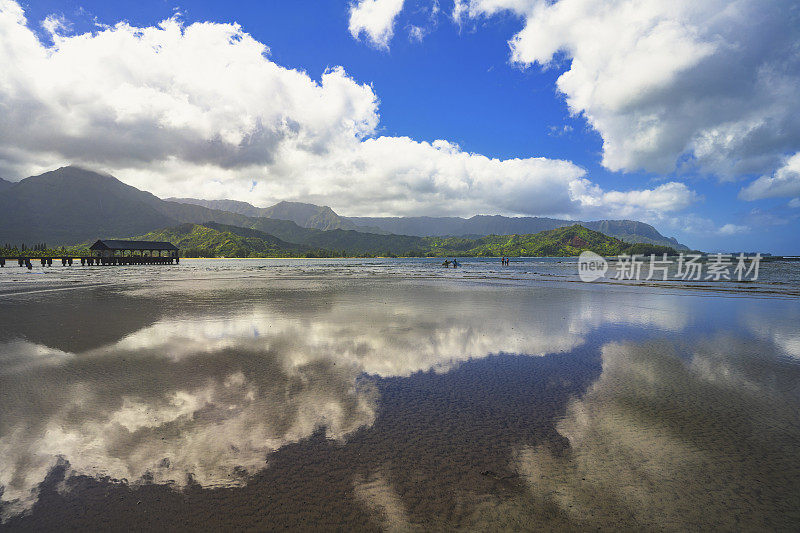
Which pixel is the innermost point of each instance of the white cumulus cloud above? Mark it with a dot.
(785, 182)
(646, 203)
(733, 229)
(200, 110)
(205, 93)
(374, 19)
(712, 85)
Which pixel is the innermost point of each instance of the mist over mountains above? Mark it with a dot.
(73, 205)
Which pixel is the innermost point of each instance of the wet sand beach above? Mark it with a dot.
(361, 396)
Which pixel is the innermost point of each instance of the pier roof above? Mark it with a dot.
(109, 244)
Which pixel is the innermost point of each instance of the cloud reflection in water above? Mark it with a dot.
(209, 394)
(662, 441)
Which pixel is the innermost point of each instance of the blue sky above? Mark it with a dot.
(459, 83)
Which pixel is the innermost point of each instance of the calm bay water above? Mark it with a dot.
(394, 394)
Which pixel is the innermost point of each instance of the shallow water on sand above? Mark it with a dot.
(775, 278)
(352, 394)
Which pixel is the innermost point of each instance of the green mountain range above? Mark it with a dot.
(219, 240)
(308, 216)
(212, 239)
(482, 225)
(323, 217)
(304, 215)
(560, 242)
(73, 205)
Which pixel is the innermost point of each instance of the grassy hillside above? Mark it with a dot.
(218, 240)
(561, 242)
(634, 232)
(335, 242)
(483, 225)
(195, 240)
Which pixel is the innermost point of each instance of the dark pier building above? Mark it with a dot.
(118, 252)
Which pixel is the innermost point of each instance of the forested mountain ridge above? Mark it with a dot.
(73, 205)
(219, 240)
(304, 215)
(323, 217)
(481, 225)
(560, 242)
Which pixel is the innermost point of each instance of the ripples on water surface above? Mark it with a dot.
(394, 394)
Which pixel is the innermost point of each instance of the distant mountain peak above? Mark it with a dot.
(303, 214)
(285, 203)
(72, 204)
(77, 175)
(233, 206)
(78, 170)
(308, 215)
(302, 205)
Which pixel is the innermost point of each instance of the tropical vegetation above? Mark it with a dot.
(219, 240)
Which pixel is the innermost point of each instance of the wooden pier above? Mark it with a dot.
(108, 253)
(88, 261)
